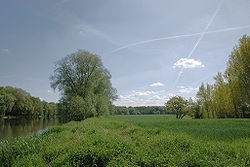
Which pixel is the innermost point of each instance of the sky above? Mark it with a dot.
(154, 49)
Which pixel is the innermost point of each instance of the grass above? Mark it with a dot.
(209, 129)
(130, 141)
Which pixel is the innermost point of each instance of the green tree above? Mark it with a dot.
(222, 98)
(79, 108)
(18, 102)
(229, 96)
(7, 102)
(195, 109)
(238, 76)
(179, 105)
(82, 78)
(23, 103)
(205, 96)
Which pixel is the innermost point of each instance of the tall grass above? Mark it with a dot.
(104, 142)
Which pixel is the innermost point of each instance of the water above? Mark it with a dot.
(18, 127)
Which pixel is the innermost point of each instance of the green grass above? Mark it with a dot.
(211, 129)
(112, 142)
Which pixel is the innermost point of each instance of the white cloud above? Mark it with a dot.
(51, 92)
(188, 63)
(153, 98)
(143, 98)
(157, 84)
(157, 97)
(187, 90)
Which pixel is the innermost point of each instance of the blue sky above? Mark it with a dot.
(153, 49)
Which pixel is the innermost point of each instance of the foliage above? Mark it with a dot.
(229, 96)
(141, 110)
(82, 79)
(7, 102)
(18, 102)
(103, 142)
(179, 105)
(80, 109)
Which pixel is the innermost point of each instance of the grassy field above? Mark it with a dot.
(130, 141)
(211, 129)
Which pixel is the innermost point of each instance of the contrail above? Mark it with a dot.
(153, 40)
(202, 34)
(201, 37)
(228, 29)
(206, 28)
(178, 36)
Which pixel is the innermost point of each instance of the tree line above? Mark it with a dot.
(228, 97)
(16, 102)
(141, 110)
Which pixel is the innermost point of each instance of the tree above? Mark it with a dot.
(194, 109)
(80, 109)
(179, 105)
(7, 102)
(82, 78)
(238, 76)
(204, 96)
(18, 102)
(222, 98)
(229, 96)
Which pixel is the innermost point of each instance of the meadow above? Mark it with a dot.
(207, 129)
(130, 141)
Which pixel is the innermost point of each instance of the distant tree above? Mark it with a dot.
(7, 102)
(18, 102)
(179, 105)
(140, 110)
(82, 78)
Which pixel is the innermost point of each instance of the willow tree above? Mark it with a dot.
(85, 85)
(7, 101)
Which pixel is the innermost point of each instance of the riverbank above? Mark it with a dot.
(105, 142)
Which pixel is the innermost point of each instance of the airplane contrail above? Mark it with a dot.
(178, 36)
(200, 38)
(206, 28)
(228, 29)
(202, 34)
(153, 40)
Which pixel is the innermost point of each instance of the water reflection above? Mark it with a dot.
(22, 126)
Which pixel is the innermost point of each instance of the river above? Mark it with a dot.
(18, 127)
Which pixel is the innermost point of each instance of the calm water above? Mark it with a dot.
(18, 127)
